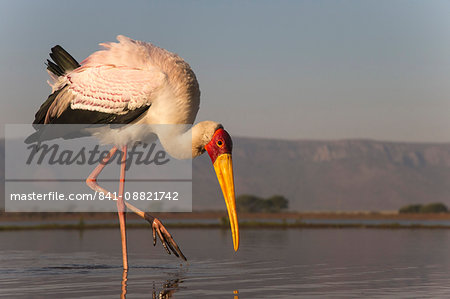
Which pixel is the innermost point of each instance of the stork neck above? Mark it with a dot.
(176, 140)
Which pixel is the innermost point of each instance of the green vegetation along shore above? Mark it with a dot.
(436, 208)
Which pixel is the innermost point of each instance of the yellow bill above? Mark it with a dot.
(224, 171)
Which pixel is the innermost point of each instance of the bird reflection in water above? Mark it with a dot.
(169, 287)
(123, 294)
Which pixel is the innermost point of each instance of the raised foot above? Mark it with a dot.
(166, 238)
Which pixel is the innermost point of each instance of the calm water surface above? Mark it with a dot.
(277, 263)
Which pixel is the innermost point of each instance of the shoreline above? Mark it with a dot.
(219, 220)
(25, 216)
(224, 225)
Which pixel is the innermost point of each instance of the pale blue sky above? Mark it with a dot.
(277, 69)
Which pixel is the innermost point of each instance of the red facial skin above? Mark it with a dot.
(220, 144)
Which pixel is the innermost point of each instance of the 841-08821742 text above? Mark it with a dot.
(59, 196)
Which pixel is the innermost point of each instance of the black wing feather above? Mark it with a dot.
(82, 117)
(54, 68)
(63, 63)
(39, 117)
(64, 60)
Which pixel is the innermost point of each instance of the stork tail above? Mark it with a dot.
(62, 62)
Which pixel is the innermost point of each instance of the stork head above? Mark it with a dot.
(217, 142)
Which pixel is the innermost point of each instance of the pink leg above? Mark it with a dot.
(91, 181)
(121, 209)
(157, 227)
(92, 178)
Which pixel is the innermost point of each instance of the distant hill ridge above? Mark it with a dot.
(334, 175)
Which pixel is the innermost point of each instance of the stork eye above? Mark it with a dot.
(219, 143)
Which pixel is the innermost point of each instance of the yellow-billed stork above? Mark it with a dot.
(134, 82)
